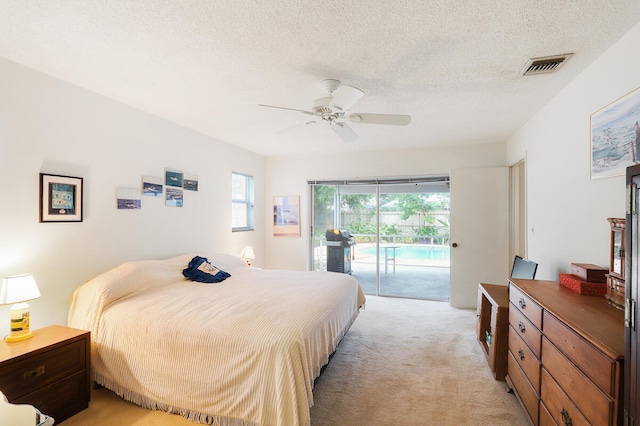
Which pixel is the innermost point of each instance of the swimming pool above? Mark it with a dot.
(415, 252)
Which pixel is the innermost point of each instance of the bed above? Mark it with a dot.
(244, 351)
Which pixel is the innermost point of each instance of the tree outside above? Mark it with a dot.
(404, 218)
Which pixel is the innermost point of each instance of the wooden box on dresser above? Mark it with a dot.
(50, 371)
(566, 351)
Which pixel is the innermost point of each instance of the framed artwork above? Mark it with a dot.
(286, 216)
(152, 186)
(128, 198)
(190, 182)
(173, 177)
(174, 197)
(615, 136)
(60, 198)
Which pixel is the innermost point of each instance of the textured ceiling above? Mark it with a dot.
(452, 65)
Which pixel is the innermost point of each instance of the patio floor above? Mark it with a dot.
(416, 278)
(410, 281)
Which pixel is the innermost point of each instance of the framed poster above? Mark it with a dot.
(60, 198)
(286, 216)
(615, 136)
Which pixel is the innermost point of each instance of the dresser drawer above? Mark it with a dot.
(24, 377)
(526, 305)
(562, 410)
(525, 329)
(526, 359)
(594, 404)
(527, 395)
(545, 417)
(593, 363)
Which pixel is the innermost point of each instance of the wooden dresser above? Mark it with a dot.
(50, 371)
(565, 358)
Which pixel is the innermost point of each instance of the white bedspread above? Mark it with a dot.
(244, 351)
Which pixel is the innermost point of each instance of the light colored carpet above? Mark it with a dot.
(404, 362)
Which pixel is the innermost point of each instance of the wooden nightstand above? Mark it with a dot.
(49, 371)
(492, 328)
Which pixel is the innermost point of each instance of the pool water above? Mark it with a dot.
(415, 252)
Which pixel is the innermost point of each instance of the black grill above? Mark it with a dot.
(339, 243)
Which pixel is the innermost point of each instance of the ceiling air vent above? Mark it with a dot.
(544, 65)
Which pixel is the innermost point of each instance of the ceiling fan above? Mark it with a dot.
(335, 107)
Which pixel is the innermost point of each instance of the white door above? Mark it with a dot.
(479, 232)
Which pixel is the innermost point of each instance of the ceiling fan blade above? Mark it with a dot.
(344, 131)
(294, 128)
(392, 119)
(345, 96)
(288, 109)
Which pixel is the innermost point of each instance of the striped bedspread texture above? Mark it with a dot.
(241, 352)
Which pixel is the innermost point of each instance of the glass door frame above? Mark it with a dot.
(377, 185)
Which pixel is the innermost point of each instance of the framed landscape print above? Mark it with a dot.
(60, 198)
(615, 136)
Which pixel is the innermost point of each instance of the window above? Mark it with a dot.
(241, 202)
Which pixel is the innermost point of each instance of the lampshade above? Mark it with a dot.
(247, 253)
(16, 291)
(19, 288)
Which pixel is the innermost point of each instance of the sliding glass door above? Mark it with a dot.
(399, 234)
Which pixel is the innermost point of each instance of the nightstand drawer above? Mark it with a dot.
(70, 397)
(28, 375)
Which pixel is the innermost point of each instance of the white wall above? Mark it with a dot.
(289, 176)
(567, 211)
(47, 125)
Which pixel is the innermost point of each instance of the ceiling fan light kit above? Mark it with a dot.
(336, 107)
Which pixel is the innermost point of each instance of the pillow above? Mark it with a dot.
(228, 261)
(202, 271)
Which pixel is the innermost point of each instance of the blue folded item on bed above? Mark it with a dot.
(201, 270)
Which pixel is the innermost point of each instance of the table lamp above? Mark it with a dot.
(16, 290)
(248, 255)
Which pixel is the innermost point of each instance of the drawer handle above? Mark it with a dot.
(31, 374)
(521, 327)
(521, 353)
(522, 303)
(565, 417)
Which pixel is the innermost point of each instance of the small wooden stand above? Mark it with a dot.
(493, 326)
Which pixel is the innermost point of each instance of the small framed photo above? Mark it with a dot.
(60, 198)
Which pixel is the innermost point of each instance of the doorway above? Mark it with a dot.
(399, 232)
(518, 210)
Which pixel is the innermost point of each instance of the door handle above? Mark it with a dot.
(454, 245)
